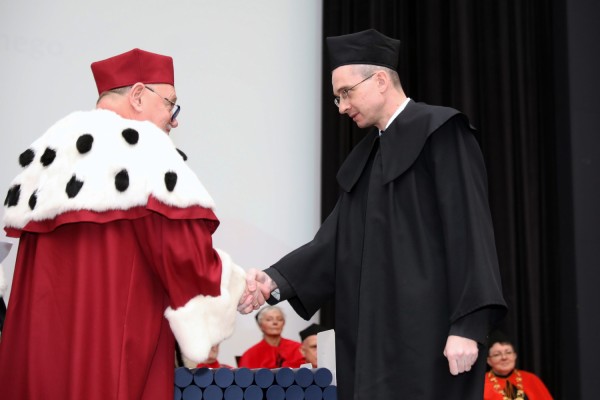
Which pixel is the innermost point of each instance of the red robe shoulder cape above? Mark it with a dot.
(115, 235)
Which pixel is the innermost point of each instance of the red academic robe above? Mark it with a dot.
(99, 267)
(263, 355)
(533, 386)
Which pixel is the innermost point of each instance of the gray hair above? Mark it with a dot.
(120, 91)
(367, 69)
(260, 314)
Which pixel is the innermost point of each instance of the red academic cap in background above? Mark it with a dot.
(131, 67)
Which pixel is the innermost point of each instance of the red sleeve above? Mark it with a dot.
(182, 254)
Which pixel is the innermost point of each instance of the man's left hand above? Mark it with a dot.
(461, 353)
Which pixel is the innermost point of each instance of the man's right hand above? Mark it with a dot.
(258, 289)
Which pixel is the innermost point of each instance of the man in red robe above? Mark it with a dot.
(115, 235)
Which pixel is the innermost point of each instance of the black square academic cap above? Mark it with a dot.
(311, 330)
(366, 47)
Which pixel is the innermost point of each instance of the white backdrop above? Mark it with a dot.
(247, 74)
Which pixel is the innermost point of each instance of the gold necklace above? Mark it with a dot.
(498, 388)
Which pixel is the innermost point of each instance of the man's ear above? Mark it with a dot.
(383, 80)
(135, 96)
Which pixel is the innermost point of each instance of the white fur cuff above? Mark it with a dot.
(206, 320)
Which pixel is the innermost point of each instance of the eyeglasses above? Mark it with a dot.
(174, 107)
(507, 353)
(345, 92)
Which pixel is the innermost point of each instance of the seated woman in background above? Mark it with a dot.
(504, 381)
(273, 351)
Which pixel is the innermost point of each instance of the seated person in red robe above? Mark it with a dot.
(503, 380)
(273, 351)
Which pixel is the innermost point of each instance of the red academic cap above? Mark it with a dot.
(131, 67)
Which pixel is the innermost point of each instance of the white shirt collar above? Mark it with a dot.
(398, 111)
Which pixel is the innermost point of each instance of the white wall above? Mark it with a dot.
(247, 74)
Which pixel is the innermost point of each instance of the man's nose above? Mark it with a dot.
(344, 106)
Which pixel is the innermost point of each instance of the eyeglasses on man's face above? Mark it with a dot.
(175, 108)
(345, 92)
(507, 353)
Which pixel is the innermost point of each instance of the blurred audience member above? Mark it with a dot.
(273, 351)
(309, 343)
(504, 381)
(212, 360)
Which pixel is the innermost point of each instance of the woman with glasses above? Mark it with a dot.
(504, 381)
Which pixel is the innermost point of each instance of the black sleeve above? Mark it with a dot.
(307, 274)
(475, 290)
(476, 325)
(285, 290)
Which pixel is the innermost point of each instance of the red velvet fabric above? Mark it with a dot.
(85, 316)
(131, 67)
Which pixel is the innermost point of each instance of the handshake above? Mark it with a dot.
(258, 289)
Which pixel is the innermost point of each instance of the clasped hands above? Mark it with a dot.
(258, 290)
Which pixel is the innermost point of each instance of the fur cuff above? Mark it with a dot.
(206, 320)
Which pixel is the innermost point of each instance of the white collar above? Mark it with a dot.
(398, 111)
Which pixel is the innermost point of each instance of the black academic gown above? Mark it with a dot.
(408, 254)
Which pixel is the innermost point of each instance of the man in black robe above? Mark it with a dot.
(408, 253)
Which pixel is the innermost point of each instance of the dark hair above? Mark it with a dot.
(498, 336)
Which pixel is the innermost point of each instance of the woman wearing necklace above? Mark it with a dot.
(505, 382)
